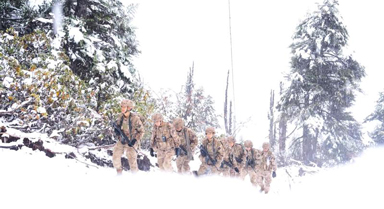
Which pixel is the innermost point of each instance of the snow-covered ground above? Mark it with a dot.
(29, 179)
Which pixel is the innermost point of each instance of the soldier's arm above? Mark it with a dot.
(193, 139)
(273, 162)
(175, 137)
(239, 155)
(140, 129)
(117, 121)
(220, 154)
(152, 141)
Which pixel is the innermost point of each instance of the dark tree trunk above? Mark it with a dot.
(81, 8)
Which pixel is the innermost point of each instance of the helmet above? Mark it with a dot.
(266, 145)
(157, 117)
(178, 123)
(210, 130)
(231, 139)
(248, 144)
(127, 103)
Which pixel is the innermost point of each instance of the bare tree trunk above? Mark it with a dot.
(226, 106)
(307, 139)
(271, 118)
(230, 131)
(282, 132)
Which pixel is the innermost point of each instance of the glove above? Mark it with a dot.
(274, 174)
(214, 161)
(177, 151)
(151, 152)
(239, 160)
(132, 142)
(237, 170)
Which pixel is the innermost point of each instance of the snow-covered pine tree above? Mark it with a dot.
(100, 41)
(378, 115)
(322, 85)
(66, 105)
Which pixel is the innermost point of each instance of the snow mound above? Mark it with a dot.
(31, 180)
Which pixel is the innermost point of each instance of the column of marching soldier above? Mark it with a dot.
(218, 156)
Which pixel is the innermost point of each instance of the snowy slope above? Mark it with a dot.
(30, 179)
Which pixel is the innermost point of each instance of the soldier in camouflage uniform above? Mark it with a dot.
(164, 141)
(266, 168)
(133, 128)
(252, 155)
(236, 157)
(225, 168)
(188, 143)
(211, 154)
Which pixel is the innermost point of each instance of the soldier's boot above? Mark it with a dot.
(119, 171)
(262, 189)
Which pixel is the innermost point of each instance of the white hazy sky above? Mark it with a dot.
(173, 34)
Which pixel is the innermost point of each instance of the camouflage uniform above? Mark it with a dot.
(188, 142)
(164, 140)
(136, 131)
(215, 149)
(251, 158)
(237, 158)
(225, 169)
(265, 165)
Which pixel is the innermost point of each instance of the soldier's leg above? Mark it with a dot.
(179, 164)
(260, 180)
(118, 151)
(243, 173)
(253, 177)
(268, 180)
(214, 169)
(160, 159)
(132, 159)
(203, 169)
(168, 160)
(226, 172)
(186, 167)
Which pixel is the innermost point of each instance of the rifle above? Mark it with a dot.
(250, 163)
(190, 156)
(205, 154)
(119, 132)
(230, 164)
(13, 147)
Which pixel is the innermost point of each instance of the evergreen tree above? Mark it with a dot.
(322, 85)
(100, 42)
(378, 115)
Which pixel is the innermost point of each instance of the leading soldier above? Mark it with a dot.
(188, 143)
(164, 141)
(132, 127)
(211, 154)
